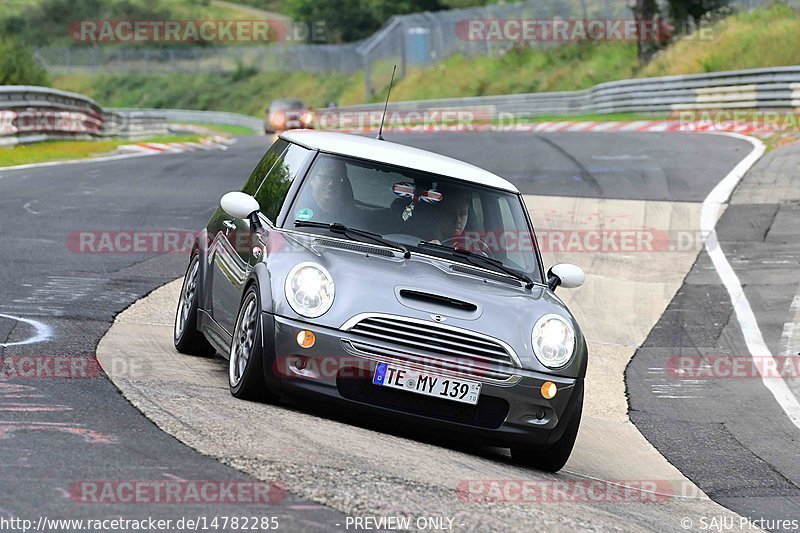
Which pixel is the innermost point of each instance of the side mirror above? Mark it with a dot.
(566, 275)
(239, 205)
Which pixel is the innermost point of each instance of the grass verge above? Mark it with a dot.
(48, 151)
(227, 129)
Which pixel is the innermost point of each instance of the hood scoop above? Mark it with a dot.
(436, 302)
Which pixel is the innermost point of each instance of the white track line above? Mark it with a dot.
(78, 161)
(741, 306)
(790, 338)
(43, 331)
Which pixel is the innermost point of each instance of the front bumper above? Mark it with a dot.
(508, 413)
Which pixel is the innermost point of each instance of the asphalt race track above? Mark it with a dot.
(57, 433)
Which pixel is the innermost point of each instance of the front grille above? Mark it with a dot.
(463, 367)
(452, 349)
(356, 384)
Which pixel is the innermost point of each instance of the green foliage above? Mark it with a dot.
(243, 91)
(737, 43)
(18, 66)
(350, 20)
(42, 22)
(277, 6)
(49, 20)
(766, 37)
(683, 11)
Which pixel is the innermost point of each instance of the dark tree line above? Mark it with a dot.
(692, 11)
(680, 17)
(351, 20)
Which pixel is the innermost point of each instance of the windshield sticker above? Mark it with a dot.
(403, 190)
(304, 214)
(431, 196)
(408, 190)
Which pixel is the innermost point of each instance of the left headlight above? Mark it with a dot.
(553, 341)
(309, 290)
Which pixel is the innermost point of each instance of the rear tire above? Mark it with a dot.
(551, 458)
(185, 335)
(246, 362)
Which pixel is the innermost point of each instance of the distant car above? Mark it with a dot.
(394, 282)
(285, 115)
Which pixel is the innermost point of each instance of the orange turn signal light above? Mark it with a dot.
(306, 338)
(549, 390)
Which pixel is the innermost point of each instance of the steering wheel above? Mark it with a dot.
(467, 242)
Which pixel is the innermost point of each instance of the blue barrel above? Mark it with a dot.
(418, 47)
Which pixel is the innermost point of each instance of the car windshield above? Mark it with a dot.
(283, 105)
(411, 208)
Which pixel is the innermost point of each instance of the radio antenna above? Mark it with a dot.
(383, 118)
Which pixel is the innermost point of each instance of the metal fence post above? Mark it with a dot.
(367, 76)
(403, 58)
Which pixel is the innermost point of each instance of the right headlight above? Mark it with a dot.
(553, 341)
(309, 290)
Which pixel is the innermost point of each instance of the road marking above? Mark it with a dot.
(43, 331)
(7, 428)
(741, 306)
(215, 143)
(27, 207)
(790, 338)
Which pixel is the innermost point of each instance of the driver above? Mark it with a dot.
(329, 195)
(452, 217)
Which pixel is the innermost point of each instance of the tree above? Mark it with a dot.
(18, 66)
(645, 12)
(351, 20)
(683, 12)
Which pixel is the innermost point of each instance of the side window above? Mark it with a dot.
(272, 191)
(264, 166)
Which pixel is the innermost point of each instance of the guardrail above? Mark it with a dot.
(31, 114)
(209, 117)
(763, 88)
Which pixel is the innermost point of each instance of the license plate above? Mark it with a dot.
(457, 390)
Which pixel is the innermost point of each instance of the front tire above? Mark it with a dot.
(246, 362)
(551, 458)
(186, 337)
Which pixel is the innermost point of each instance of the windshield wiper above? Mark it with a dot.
(471, 258)
(341, 229)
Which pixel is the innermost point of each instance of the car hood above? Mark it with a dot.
(371, 279)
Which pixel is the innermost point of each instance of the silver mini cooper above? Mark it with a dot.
(392, 282)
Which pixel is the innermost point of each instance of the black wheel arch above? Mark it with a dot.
(260, 277)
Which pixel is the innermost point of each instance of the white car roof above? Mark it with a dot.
(395, 154)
